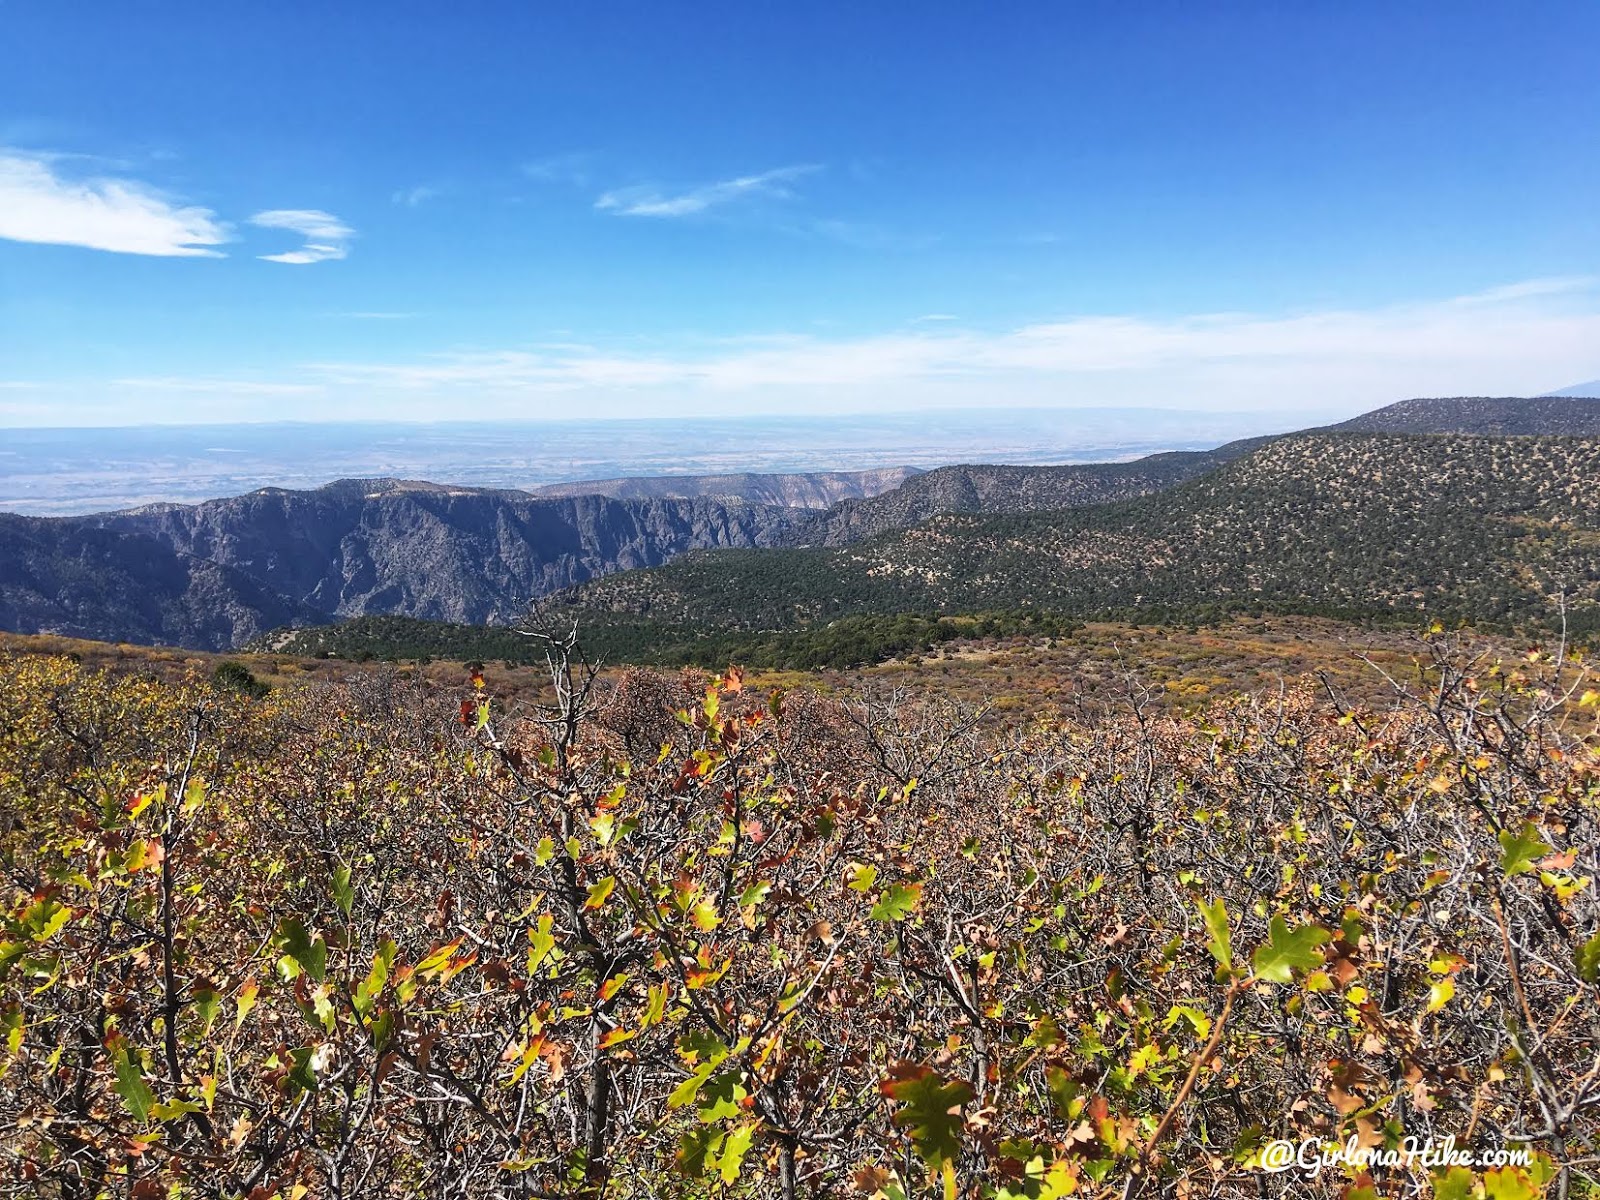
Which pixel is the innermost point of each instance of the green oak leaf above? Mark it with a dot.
(1288, 950)
(896, 902)
(1520, 850)
(930, 1111)
(1216, 919)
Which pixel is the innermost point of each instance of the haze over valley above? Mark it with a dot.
(58, 471)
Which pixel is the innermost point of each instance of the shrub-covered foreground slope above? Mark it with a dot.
(380, 941)
(1483, 528)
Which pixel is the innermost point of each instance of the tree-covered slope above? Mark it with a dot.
(1501, 416)
(996, 489)
(207, 575)
(1487, 528)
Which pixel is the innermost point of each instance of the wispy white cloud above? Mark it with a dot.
(219, 387)
(575, 169)
(413, 197)
(1521, 339)
(1555, 285)
(326, 236)
(40, 202)
(651, 200)
(861, 235)
(1505, 341)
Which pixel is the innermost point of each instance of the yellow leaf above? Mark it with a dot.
(437, 960)
(1440, 994)
(1143, 1059)
(246, 1000)
(655, 1011)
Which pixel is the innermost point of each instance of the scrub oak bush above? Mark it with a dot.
(666, 937)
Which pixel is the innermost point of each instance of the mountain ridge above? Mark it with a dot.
(1496, 416)
(998, 488)
(223, 571)
(1331, 522)
(1590, 390)
(791, 489)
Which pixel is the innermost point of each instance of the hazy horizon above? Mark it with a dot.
(75, 470)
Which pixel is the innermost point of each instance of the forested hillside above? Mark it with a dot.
(1013, 489)
(1498, 416)
(1484, 528)
(1006, 489)
(218, 573)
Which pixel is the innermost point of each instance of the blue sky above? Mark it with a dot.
(247, 212)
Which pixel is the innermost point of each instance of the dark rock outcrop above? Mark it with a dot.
(61, 577)
(215, 574)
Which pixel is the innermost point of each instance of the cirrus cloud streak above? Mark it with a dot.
(650, 200)
(326, 236)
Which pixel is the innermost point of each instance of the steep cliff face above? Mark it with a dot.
(214, 574)
(456, 554)
(807, 489)
(60, 577)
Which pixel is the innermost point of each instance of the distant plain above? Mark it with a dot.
(57, 472)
